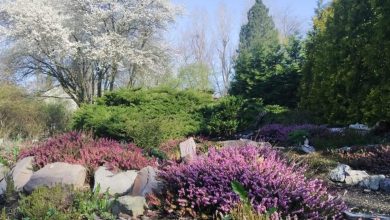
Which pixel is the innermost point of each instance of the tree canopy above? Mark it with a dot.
(260, 29)
(347, 73)
(84, 44)
(265, 68)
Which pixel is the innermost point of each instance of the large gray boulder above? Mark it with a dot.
(338, 174)
(57, 174)
(354, 177)
(119, 183)
(344, 174)
(131, 205)
(372, 182)
(20, 173)
(145, 182)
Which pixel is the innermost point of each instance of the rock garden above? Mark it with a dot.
(75, 175)
(109, 110)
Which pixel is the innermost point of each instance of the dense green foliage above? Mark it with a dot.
(259, 30)
(151, 117)
(271, 73)
(20, 115)
(147, 117)
(24, 116)
(232, 114)
(282, 115)
(347, 74)
(265, 68)
(56, 117)
(65, 204)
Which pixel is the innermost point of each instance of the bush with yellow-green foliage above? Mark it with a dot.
(145, 116)
(22, 115)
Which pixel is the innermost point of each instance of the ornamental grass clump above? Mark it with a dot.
(203, 186)
(80, 148)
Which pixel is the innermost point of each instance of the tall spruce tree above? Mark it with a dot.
(260, 29)
(265, 68)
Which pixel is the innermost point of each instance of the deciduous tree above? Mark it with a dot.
(85, 44)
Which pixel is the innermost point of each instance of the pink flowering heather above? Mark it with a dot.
(204, 185)
(79, 148)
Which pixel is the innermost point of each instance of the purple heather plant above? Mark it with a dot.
(278, 133)
(203, 186)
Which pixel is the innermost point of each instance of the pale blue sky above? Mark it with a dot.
(302, 10)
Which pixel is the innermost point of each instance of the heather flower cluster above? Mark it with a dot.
(373, 159)
(279, 133)
(79, 148)
(204, 185)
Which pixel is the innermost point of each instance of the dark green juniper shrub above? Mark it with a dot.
(231, 114)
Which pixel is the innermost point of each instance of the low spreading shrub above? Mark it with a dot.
(373, 159)
(231, 114)
(80, 148)
(65, 204)
(282, 134)
(146, 117)
(349, 137)
(319, 136)
(203, 186)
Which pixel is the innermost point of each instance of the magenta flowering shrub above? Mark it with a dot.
(278, 133)
(79, 148)
(204, 185)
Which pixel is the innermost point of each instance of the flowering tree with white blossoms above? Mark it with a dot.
(85, 44)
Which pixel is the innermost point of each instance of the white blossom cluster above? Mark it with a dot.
(82, 36)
